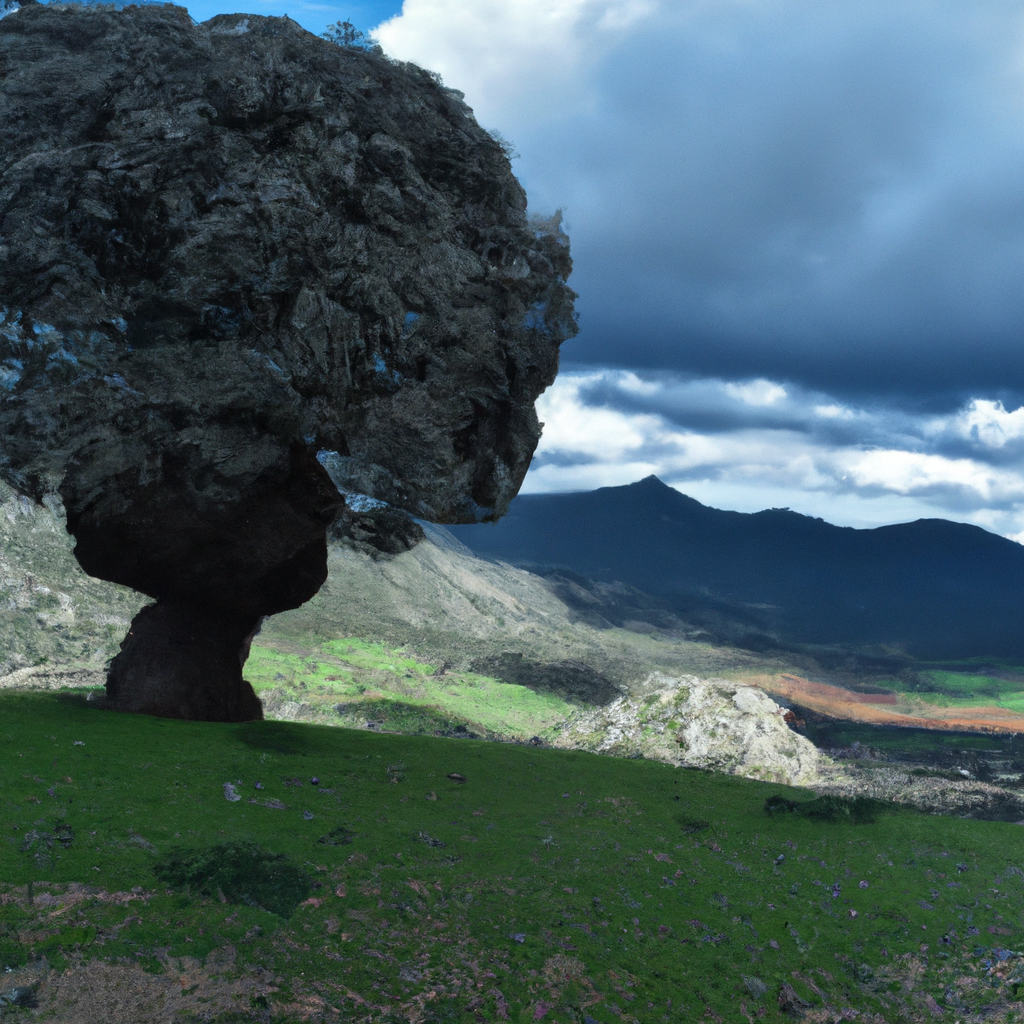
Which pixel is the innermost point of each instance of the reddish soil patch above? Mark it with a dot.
(828, 692)
(848, 705)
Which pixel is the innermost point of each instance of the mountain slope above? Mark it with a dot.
(932, 588)
(50, 610)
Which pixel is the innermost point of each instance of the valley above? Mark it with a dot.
(743, 827)
(437, 641)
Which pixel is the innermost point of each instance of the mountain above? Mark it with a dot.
(931, 589)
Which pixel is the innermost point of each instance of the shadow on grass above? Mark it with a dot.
(238, 872)
(692, 826)
(277, 737)
(83, 700)
(860, 810)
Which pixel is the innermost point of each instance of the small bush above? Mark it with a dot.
(339, 836)
(12, 953)
(242, 871)
(860, 810)
(690, 825)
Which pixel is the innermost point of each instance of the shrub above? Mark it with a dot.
(242, 871)
(12, 953)
(691, 825)
(860, 810)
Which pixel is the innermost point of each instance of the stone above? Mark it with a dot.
(375, 529)
(712, 724)
(251, 280)
(790, 1002)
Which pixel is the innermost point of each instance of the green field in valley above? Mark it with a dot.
(352, 682)
(999, 687)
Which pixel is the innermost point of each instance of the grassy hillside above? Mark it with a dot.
(178, 872)
(430, 879)
(471, 621)
(456, 609)
(361, 683)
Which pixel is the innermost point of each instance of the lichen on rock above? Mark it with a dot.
(701, 723)
(225, 249)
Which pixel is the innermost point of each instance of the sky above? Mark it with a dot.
(798, 236)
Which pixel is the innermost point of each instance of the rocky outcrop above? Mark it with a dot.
(375, 528)
(230, 254)
(965, 798)
(701, 723)
(50, 611)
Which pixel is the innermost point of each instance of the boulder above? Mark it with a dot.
(714, 724)
(232, 254)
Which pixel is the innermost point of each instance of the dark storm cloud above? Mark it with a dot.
(982, 430)
(824, 193)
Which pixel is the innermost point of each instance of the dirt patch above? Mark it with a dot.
(61, 898)
(111, 992)
(848, 705)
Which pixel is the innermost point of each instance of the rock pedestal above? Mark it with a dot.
(183, 660)
(215, 572)
(231, 253)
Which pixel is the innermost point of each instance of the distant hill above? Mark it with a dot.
(932, 589)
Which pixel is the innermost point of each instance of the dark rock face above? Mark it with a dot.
(224, 249)
(375, 530)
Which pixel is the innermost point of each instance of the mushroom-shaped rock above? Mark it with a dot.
(232, 253)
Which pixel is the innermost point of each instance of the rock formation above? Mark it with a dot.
(229, 253)
(703, 723)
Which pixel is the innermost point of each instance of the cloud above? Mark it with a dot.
(757, 392)
(801, 450)
(798, 230)
(989, 424)
(591, 431)
(922, 473)
(827, 194)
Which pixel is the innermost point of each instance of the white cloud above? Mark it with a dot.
(572, 426)
(757, 392)
(834, 412)
(989, 424)
(908, 472)
(623, 14)
(515, 60)
(602, 430)
(633, 384)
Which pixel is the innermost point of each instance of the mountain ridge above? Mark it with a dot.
(930, 588)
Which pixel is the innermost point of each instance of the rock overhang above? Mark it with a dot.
(333, 235)
(228, 247)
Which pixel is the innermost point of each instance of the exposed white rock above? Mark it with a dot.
(291, 711)
(51, 677)
(704, 723)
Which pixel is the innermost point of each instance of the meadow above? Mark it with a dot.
(282, 871)
(1002, 687)
(354, 682)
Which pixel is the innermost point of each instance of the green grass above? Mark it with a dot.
(373, 682)
(944, 688)
(548, 885)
